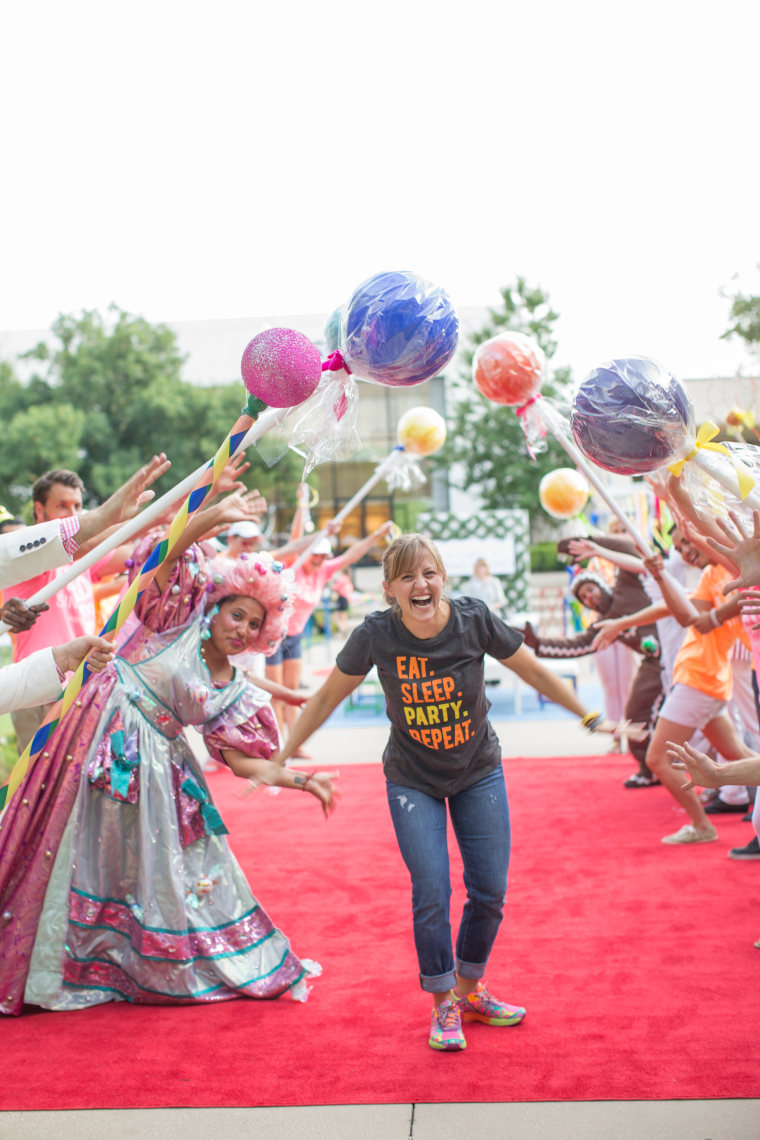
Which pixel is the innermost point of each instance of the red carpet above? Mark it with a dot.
(635, 963)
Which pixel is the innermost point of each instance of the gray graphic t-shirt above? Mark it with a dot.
(441, 740)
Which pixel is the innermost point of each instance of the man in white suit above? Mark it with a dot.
(46, 545)
(37, 680)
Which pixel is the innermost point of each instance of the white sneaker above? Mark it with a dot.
(691, 834)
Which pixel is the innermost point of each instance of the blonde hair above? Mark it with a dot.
(405, 553)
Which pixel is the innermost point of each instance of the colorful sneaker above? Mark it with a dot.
(446, 1027)
(690, 834)
(481, 1006)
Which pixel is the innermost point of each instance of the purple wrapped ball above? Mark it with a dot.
(631, 416)
(281, 367)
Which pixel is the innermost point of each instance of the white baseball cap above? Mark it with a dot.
(323, 547)
(244, 530)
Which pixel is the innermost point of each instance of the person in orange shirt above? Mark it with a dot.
(702, 685)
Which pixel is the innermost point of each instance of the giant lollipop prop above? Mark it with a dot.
(631, 416)
(280, 369)
(508, 369)
(279, 366)
(420, 431)
(397, 330)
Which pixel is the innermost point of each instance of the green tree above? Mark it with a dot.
(745, 314)
(105, 395)
(485, 441)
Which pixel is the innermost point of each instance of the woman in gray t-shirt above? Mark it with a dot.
(429, 651)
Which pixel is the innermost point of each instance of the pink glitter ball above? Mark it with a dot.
(282, 367)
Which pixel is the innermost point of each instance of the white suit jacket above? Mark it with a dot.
(29, 552)
(34, 681)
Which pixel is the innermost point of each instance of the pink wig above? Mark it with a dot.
(255, 576)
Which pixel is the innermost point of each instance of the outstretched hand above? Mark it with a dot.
(632, 730)
(321, 785)
(699, 767)
(135, 493)
(240, 506)
(582, 548)
(742, 547)
(229, 478)
(606, 631)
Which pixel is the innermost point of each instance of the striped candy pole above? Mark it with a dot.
(146, 517)
(240, 435)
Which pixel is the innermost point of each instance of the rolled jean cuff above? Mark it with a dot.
(473, 971)
(438, 984)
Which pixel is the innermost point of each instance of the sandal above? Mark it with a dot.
(639, 780)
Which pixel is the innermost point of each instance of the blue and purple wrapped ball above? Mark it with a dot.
(398, 330)
(631, 416)
(332, 330)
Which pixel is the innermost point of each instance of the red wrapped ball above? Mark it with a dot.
(281, 367)
(508, 368)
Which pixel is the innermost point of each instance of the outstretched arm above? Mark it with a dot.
(320, 784)
(359, 549)
(683, 608)
(742, 547)
(335, 689)
(582, 548)
(608, 630)
(234, 508)
(123, 504)
(533, 673)
(705, 773)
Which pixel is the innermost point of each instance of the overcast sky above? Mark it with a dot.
(192, 161)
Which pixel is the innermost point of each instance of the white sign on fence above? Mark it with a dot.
(460, 554)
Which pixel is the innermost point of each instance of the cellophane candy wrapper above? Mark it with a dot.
(709, 497)
(406, 475)
(532, 422)
(538, 418)
(324, 426)
(398, 330)
(631, 416)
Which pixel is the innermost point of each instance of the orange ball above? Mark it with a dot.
(563, 493)
(508, 368)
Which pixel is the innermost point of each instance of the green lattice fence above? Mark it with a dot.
(501, 537)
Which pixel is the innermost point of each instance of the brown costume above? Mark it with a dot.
(625, 596)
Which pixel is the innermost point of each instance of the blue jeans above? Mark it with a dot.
(480, 817)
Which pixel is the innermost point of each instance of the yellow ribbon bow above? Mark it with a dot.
(706, 433)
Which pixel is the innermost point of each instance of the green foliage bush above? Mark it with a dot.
(543, 558)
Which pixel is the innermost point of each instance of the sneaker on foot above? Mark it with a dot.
(690, 834)
(720, 807)
(481, 1006)
(751, 851)
(446, 1027)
